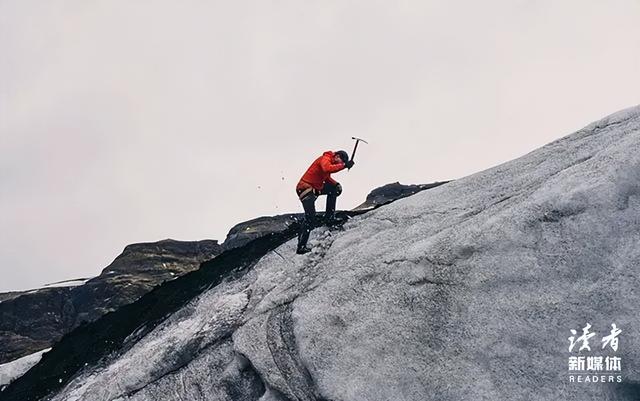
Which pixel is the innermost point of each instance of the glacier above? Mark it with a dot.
(465, 291)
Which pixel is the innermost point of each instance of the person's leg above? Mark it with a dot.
(308, 203)
(332, 191)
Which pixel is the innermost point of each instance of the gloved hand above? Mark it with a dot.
(349, 164)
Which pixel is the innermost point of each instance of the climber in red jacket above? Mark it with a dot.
(317, 181)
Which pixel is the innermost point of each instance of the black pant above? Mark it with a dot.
(309, 204)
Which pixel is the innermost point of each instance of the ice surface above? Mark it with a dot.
(464, 291)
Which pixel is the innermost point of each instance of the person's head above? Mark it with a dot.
(342, 156)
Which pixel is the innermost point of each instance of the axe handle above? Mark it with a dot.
(353, 154)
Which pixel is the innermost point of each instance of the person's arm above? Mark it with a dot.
(331, 181)
(329, 167)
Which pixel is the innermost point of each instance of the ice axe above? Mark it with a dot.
(358, 140)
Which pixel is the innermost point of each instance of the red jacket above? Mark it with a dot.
(320, 172)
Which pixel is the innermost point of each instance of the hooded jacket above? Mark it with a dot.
(320, 172)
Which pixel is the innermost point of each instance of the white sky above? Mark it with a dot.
(132, 121)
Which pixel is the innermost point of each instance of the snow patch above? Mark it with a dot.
(14, 369)
(67, 283)
(60, 284)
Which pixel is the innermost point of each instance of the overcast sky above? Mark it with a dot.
(134, 121)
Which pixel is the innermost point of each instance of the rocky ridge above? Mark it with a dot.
(33, 320)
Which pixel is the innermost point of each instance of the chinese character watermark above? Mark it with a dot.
(584, 338)
(613, 338)
(594, 368)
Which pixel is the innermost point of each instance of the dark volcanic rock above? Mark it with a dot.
(137, 270)
(247, 231)
(33, 320)
(243, 233)
(391, 192)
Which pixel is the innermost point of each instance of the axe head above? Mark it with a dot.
(359, 139)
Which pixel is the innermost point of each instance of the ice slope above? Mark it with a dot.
(467, 291)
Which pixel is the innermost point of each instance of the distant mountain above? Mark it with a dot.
(33, 320)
